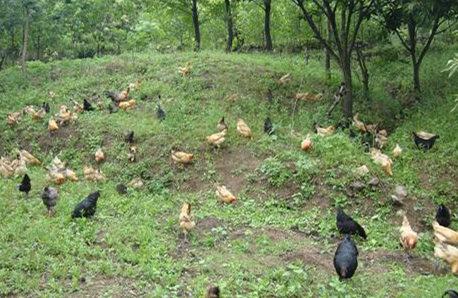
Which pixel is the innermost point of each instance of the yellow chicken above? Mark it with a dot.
(307, 143)
(381, 139)
(38, 115)
(70, 175)
(445, 235)
(77, 107)
(92, 174)
(182, 157)
(225, 195)
(327, 131)
(383, 160)
(358, 123)
(186, 70)
(19, 166)
(449, 254)
(28, 158)
(285, 79)
(243, 129)
(5, 168)
(186, 222)
(136, 183)
(99, 155)
(13, 118)
(217, 139)
(308, 96)
(408, 237)
(127, 105)
(397, 151)
(56, 177)
(65, 115)
(222, 125)
(52, 125)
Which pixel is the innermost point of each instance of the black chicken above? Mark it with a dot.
(87, 207)
(212, 292)
(443, 216)
(87, 106)
(121, 189)
(25, 185)
(50, 197)
(160, 113)
(450, 294)
(268, 127)
(347, 225)
(346, 258)
(45, 107)
(129, 138)
(424, 141)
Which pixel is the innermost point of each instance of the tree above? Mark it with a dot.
(195, 22)
(230, 25)
(344, 35)
(417, 18)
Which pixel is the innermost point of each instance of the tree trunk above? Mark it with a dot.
(230, 25)
(38, 46)
(327, 55)
(348, 97)
(195, 22)
(25, 41)
(267, 35)
(416, 77)
(364, 72)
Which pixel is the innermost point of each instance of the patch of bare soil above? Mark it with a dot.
(107, 286)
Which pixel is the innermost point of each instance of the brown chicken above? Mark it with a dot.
(99, 155)
(185, 70)
(186, 222)
(217, 139)
(327, 131)
(449, 254)
(383, 160)
(70, 175)
(308, 96)
(52, 125)
(182, 157)
(13, 118)
(358, 123)
(127, 105)
(408, 237)
(64, 116)
(243, 129)
(307, 143)
(28, 158)
(225, 195)
(56, 177)
(445, 235)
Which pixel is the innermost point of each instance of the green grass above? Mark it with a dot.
(278, 240)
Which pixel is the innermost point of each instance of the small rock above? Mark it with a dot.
(400, 191)
(374, 182)
(362, 170)
(357, 186)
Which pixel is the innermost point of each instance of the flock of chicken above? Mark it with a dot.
(346, 255)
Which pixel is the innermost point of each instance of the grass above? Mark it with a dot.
(279, 238)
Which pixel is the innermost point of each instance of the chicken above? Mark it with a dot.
(99, 155)
(225, 195)
(127, 105)
(129, 138)
(6, 170)
(136, 183)
(381, 139)
(327, 131)
(185, 70)
(217, 139)
(182, 157)
(213, 292)
(445, 235)
(118, 97)
(308, 96)
(13, 118)
(449, 254)
(424, 140)
(443, 216)
(359, 124)
(186, 222)
(87, 207)
(121, 189)
(132, 155)
(450, 294)
(38, 115)
(28, 158)
(397, 151)
(45, 106)
(50, 197)
(87, 106)
(347, 225)
(160, 113)
(19, 166)
(268, 126)
(52, 125)
(243, 129)
(25, 185)
(408, 237)
(346, 258)
(92, 174)
(285, 79)
(221, 125)
(64, 116)
(306, 143)
(383, 160)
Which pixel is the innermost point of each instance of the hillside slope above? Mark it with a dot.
(280, 236)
